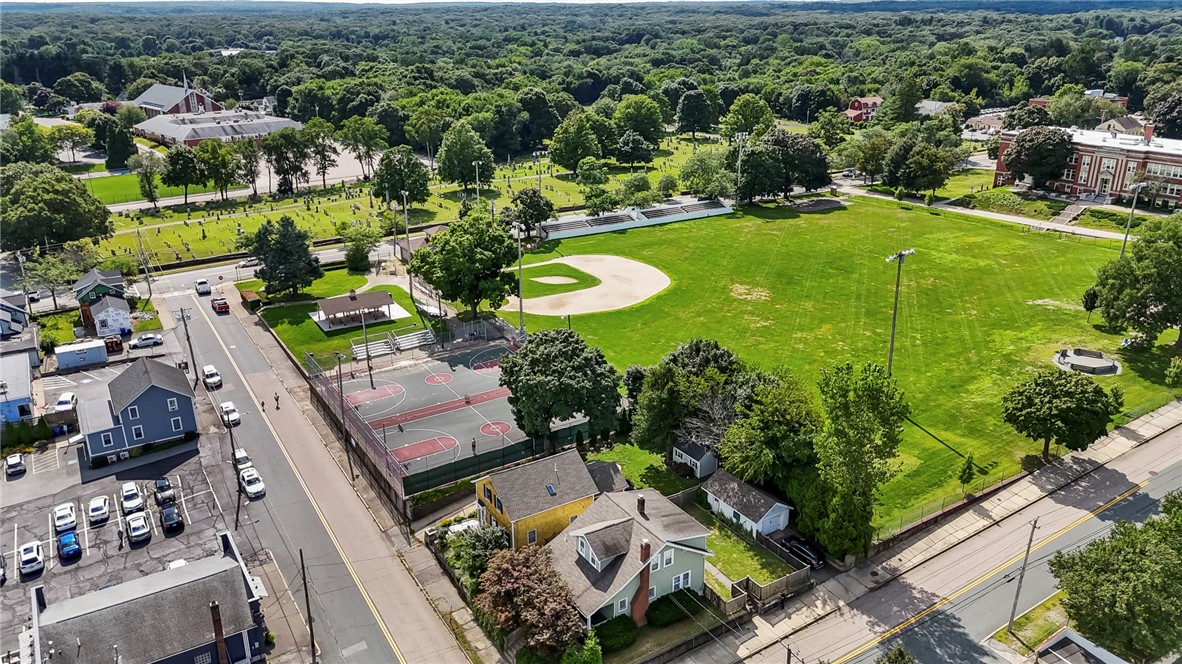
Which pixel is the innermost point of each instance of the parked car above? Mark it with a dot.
(137, 528)
(67, 545)
(202, 287)
(220, 305)
(230, 414)
(32, 296)
(164, 492)
(132, 500)
(66, 402)
(99, 509)
(242, 460)
(32, 558)
(170, 518)
(14, 464)
(147, 341)
(211, 377)
(64, 518)
(250, 261)
(252, 483)
(803, 549)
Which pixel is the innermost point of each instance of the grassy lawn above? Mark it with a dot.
(74, 169)
(1109, 220)
(59, 326)
(982, 304)
(535, 288)
(792, 126)
(1036, 625)
(334, 282)
(736, 557)
(145, 306)
(652, 640)
(964, 181)
(644, 468)
(302, 335)
(1003, 201)
(126, 188)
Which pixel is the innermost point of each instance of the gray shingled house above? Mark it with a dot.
(753, 509)
(150, 402)
(626, 550)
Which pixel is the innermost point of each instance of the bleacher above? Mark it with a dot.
(713, 204)
(415, 340)
(609, 220)
(558, 226)
(656, 213)
(625, 219)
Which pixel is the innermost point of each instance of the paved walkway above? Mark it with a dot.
(833, 595)
(1036, 224)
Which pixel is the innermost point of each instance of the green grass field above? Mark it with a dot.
(535, 288)
(1109, 220)
(982, 304)
(1003, 201)
(334, 282)
(125, 188)
(644, 468)
(965, 181)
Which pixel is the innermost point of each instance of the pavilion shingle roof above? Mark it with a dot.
(347, 304)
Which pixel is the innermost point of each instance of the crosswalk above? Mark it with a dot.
(56, 383)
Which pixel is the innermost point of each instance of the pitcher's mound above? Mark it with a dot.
(623, 283)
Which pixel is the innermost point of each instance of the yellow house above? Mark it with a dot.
(538, 500)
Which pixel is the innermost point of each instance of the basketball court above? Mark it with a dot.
(440, 410)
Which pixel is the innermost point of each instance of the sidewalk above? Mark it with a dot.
(384, 556)
(284, 619)
(833, 595)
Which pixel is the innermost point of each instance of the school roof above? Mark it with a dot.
(142, 374)
(220, 125)
(741, 496)
(537, 486)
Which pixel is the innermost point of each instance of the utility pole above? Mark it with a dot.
(477, 165)
(189, 338)
(895, 314)
(1132, 207)
(1021, 576)
(520, 292)
(139, 240)
(308, 606)
(344, 429)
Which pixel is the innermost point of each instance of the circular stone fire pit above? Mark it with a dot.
(1085, 361)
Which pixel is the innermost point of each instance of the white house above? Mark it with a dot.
(696, 456)
(112, 315)
(753, 509)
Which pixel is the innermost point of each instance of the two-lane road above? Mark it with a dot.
(946, 609)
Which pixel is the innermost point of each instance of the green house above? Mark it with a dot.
(97, 283)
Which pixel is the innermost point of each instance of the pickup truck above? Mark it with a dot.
(202, 287)
(220, 305)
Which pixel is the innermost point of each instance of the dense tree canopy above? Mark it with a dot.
(1060, 407)
(43, 204)
(467, 262)
(1142, 290)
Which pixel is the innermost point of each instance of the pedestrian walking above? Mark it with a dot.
(276, 401)
(263, 404)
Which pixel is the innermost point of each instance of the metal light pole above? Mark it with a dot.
(1132, 206)
(895, 314)
(537, 156)
(368, 361)
(477, 165)
(520, 292)
(345, 430)
(406, 219)
(741, 139)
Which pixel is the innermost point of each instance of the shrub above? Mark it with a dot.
(98, 461)
(1174, 373)
(665, 611)
(24, 432)
(617, 633)
(527, 656)
(269, 638)
(929, 199)
(900, 194)
(42, 431)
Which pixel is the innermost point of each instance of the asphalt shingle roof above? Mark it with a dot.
(693, 450)
(522, 490)
(149, 618)
(744, 498)
(662, 523)
(607, 476)
(163, 96)
(109, 278)
(223, 125)
(141, 375)
(109, 302)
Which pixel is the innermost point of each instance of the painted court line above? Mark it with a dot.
(376, 394)
(440, 408)
(424, 448)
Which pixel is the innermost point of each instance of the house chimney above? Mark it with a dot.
(640, 597)
(645, 550)
(1148, 129)
(219, 635)
(640, 504)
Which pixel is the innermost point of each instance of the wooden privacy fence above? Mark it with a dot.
(729, 607)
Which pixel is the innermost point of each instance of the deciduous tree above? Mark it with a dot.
(967, 472)
(639, 113)
(79, 87)
(540, 117)
(318, 134)
(285, 250)
(147, 166)
(929, 167)
(467, 262)
(1060, 407)
(70, 136)
(41, 203)
(695, 113)
(365, 138)
(182, 168)
(25, 140)
(218, 163)
(398, 171)
(53, 272)
(471, 550)
(556, 376)
(1167, 115)
(533, 209)
(359, 241)
(287, 153)
(1040, 152)
(830, 128)
(896, 655)
(1124, 591)
(120, 147)
(522, 590)
(1142, 290)
(249, 157)
(633, 148)
(129, 115)
(574, 140)
(705, 175)
(1024, 115)
(772, 440)
(749, 114)
(462, 147)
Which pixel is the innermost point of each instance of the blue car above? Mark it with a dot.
(67, 545)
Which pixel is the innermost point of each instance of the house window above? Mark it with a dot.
(133, 412)
(172, 405)
(582, 545)
(622, 605)
(487, 493)
(500, 507)
(1073, 159)
(652, 592)
(531, 537)
(668, 558)
(654, 565)
(681, 581)
(107, 440)
(1069, 174)
(137, 433)
(203, 658)
(176, 424)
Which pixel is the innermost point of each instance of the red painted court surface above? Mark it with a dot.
(437, 379)
(440, 408)
(495, 428)
(424, 448)
(487, 366)
(366, 396)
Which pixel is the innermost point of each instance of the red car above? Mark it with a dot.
(220, 305)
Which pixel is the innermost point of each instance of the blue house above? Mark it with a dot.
(204, 611)
(14, 315)
(16, 392)
(150, 402)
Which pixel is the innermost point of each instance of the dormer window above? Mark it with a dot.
(582, 546)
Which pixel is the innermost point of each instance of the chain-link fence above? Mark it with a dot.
(938, 505)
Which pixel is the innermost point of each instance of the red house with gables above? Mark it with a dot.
(862, 109)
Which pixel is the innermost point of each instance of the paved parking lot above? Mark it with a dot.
(106, 557)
